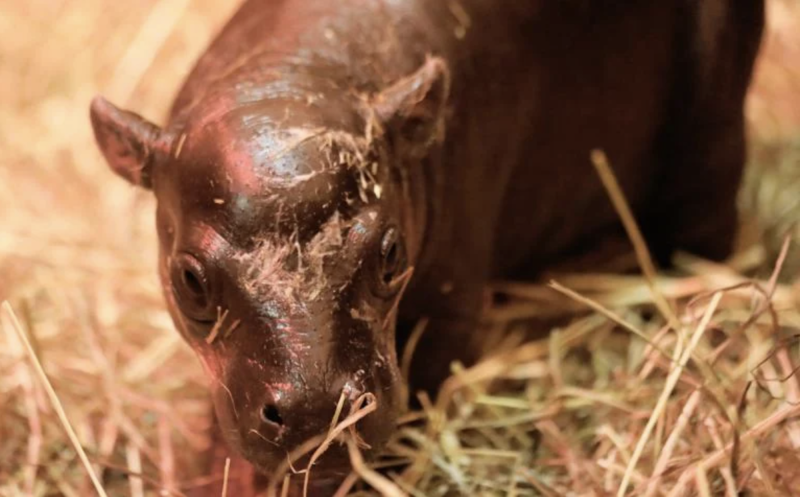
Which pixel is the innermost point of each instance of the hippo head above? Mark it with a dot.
(287, 236)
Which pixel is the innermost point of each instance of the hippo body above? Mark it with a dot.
(334, 171)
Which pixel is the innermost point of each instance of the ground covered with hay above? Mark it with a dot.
(663, 384)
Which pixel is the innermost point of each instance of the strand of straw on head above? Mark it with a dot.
(212, 335)
(54, 400)
(672, 381)
(337, 413)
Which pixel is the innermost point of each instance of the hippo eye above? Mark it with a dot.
(392, 256)
(190, 286)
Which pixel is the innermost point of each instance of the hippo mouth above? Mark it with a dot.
(322, 462)
(325, 459)
(322, 477)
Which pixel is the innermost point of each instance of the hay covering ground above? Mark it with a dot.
(706, 406)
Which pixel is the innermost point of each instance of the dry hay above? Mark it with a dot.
(707, 406)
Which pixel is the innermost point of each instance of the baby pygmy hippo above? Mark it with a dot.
(332, 171)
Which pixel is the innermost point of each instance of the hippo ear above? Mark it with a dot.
(413, 108)
(130, 143)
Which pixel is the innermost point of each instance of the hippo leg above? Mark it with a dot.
(703, 143)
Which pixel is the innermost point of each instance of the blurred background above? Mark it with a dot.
(78, 252)
(77, 245)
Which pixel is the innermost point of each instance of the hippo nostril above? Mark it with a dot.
(270, 414)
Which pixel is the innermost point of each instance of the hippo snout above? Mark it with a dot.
(288, 417)
(271, 421)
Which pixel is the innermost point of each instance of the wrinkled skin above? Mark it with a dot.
(334, 171)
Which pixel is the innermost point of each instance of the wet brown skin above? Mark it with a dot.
(324, 156)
